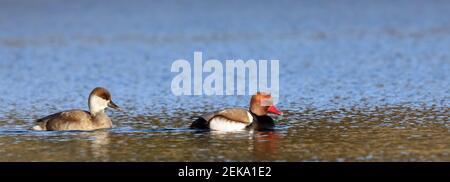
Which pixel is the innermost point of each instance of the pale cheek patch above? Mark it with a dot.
(98, 103)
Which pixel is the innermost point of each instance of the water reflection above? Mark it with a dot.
(265, 145)
(100, 144)
(351, 94)
(391, 133)
(262, 145)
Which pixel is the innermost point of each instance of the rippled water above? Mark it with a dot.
(359, 81)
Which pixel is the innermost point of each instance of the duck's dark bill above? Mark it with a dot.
(113, 105)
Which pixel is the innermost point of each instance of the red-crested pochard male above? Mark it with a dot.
(235, 119)
(96, 118)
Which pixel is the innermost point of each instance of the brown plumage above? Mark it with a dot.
(235, 114)
(101, 92)
(237, 118)
(95, 118)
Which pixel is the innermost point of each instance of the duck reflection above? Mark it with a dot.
(99, 144)
(265, 145)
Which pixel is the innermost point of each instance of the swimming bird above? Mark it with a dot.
(94, 119)
(234, 119)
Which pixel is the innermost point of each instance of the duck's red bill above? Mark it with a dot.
(273, 109)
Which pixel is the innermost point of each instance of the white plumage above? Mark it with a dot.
(223, 124)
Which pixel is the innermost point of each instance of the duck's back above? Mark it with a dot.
(66, 120)
(233, 119)
(227, 119)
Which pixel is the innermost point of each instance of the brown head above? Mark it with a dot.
(100, 99)
(262, 103)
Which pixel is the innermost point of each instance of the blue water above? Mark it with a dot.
(338, 59)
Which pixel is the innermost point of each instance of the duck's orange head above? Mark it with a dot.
(262, 103)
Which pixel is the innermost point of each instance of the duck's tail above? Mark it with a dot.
(200, 123)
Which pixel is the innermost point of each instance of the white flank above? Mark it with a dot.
(223, 124)
(37, 127)
(250, 117)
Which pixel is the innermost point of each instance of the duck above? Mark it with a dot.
(76, 119)
(236, 119)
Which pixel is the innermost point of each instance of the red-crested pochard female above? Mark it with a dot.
(96, 118)
(235, 119)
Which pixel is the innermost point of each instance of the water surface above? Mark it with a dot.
(360, 81)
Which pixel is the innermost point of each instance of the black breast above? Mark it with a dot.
(263, 123)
